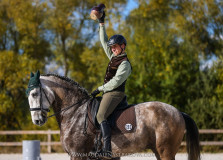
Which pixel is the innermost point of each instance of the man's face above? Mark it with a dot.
(117, 49)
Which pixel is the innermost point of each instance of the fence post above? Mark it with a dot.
(49, 141)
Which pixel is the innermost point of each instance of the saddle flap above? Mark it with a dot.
(121, 120)
(124, 121)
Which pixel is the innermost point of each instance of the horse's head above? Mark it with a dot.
(39, 100)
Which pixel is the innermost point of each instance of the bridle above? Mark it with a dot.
(81, 102)
(41, 102)
(48, 110)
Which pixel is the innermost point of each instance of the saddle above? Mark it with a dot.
(122, 120)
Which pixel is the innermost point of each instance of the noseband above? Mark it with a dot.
(41, 102)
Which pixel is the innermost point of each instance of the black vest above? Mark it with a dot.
(112, 69)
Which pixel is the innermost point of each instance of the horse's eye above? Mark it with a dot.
(34, 94)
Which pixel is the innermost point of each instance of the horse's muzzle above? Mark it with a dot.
(39, 122)
(39, 118)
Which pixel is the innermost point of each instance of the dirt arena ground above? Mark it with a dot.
(149, 156)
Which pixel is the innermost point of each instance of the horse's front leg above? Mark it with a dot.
(78, 145)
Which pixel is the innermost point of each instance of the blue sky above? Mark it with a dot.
(132, 4)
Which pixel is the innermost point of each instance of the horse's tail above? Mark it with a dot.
(192, 138)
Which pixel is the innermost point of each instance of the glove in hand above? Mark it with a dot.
(102, 19)
(95, 92)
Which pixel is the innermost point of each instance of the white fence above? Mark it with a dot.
(51, 143)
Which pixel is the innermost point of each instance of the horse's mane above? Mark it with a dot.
(72, 82)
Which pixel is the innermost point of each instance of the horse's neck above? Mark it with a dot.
(65, 96)
(72, 117)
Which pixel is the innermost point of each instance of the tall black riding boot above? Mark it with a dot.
(106, 134)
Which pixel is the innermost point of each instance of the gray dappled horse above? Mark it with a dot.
(160, 126)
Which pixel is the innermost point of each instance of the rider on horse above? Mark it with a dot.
(117, 72)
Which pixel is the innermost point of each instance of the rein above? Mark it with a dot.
(64, 109)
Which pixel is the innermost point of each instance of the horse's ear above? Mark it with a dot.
(37, 74)
(31, 74)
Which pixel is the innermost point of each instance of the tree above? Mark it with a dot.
(13, 78)
(23, 48)
(27, 28)
(168, 38)
(69, 22)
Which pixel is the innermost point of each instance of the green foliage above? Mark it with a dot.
(205, 101)
(23, 48)
(168, 40)
(27, 28)
(13, 81)
(96, 62)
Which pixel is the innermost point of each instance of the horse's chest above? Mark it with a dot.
(73, 139)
